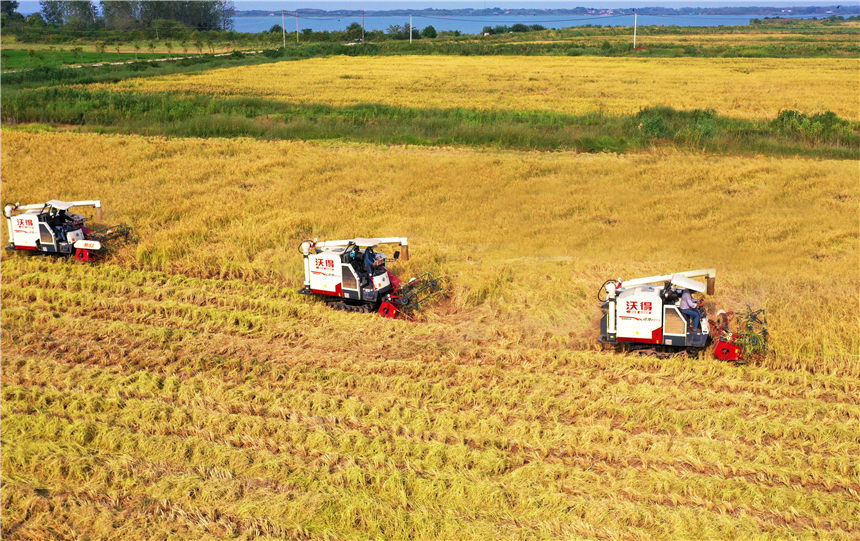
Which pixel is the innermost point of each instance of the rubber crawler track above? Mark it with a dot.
(363, 308)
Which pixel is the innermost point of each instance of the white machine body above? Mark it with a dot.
(640, 311)
(326, 272)
(329, 270)
(48, 227)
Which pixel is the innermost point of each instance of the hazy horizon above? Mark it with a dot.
(30, 6)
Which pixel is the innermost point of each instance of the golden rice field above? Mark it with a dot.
(526, 237)
(182, 389)
(740, 87)
(711, 39)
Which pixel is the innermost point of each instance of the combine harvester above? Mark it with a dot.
(644, 315)
(48, 228)
(350, 275)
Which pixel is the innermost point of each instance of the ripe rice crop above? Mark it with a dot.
(738, 87)
(525, 239)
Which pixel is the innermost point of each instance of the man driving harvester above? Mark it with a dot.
(690, 308)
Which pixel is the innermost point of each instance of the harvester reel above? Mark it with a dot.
(117, 234)
(748, 342)
(754, 334)
(411, 296)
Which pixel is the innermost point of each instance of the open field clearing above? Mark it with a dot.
(749, 88)
(753, 38)
(19, 58)
(844, 34)
(143, 46)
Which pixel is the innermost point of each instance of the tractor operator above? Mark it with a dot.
(369, 260)
(690, 308)
(58, 220)
(356, 259)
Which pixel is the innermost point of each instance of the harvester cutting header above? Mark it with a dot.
(351, 275)
(49, 228)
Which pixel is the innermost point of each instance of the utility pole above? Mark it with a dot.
(410, 30)
(635, 22)
(297, 26)
(283, 30)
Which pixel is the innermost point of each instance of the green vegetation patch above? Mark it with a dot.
(13, 59)
(54, 75)
(183, 115)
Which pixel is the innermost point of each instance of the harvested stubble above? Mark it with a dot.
(306, 426)
(185, 379)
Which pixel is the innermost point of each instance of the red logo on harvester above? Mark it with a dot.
(636, 307)
(22, 222)
(324, 264)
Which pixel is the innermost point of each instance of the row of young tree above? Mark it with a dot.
(505, 29)
(395, 31)
(125, 15)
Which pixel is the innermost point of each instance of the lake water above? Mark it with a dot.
(474, 25)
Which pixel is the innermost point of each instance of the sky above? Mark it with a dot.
(30, 6)
(420, 4)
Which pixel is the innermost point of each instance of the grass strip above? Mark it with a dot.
(15, 59)
(51, 75)
(184, 115)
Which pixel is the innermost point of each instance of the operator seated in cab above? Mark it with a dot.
(355, 257)
(690, 308)
(60, 222)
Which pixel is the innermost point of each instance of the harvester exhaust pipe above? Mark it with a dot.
(404, 252)
(711, 282)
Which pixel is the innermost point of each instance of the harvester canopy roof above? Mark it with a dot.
(367, 243)
(60, 205)
(688, 283)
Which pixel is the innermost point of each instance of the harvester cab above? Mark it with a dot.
(646, 313)
(352, 275)
(49, 228)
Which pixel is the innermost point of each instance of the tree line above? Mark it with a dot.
(125, 15)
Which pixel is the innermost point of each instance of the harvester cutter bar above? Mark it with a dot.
(120, 233)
